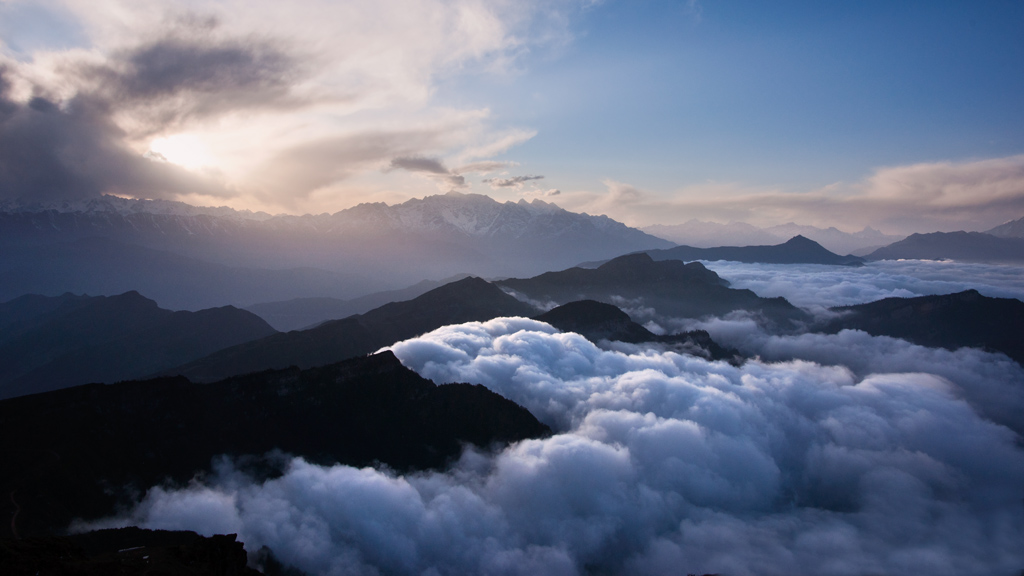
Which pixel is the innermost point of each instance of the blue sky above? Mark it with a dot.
(901, 115)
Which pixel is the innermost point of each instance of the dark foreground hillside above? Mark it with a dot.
(127, 552)
(81, 452)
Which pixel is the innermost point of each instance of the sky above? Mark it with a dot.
(901, 116)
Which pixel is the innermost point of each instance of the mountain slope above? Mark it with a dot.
(467, 300)
(1011, 229)
(105, 339)
(302, 313)
(637, 282)
(796, 250)
(80, 452)
(962, 246)
(947, 321)
(597, 321)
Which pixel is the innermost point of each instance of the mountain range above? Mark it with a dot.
(366, 248)
(710, 235)
(467, 300)
(56, 342)
(796, 250)
(646, 288)
(960, 246)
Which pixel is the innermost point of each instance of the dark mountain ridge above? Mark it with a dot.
(50, 343)
(597, 321)
(671, 287)
(80, 452)
(467, 300)
(960, 246)
(947, 321)
(796, 250)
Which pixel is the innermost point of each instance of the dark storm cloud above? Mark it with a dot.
(50, 152)
(431, 167)
(194, 75)
(513, 182)
(78, 148)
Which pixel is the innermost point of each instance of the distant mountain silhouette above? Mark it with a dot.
(710, 234)
(961, 246)
(598, 321)
(796, 250)
(302, 313)
(50, 343)
(467, 300)
(670, 287)
(369, 247)
(81, 452)
(1011, 229)
(103, 266)
(947, 321)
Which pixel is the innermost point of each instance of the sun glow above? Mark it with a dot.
(185, 150)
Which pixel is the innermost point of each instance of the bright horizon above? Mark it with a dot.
(902, 118)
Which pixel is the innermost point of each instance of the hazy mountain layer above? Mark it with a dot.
(302, 313)
(961, 246)
(637, 282)
(51, 343)
(947, 321)
(710, 234)
(77, 453)
(106, 267)
(797, 250)
(433, 237)
(467, 300)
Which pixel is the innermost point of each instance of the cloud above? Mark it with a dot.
(260, 85)
(927, 197)
(810, 285)
(432, 168)
(51, 152)
(661, 463)
(515, 182)
(484, 167)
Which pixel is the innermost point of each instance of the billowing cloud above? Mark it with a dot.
(661, 463)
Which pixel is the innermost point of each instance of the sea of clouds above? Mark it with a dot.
(815, 285)
(841, 454)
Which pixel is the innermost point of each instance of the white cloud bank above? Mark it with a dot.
(812, 285)
(661, 463)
